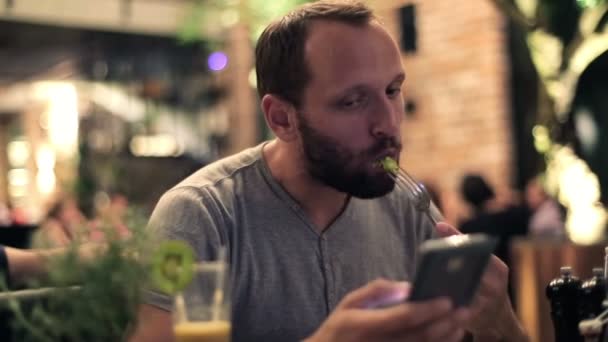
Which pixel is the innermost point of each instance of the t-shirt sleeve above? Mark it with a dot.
(187, 214)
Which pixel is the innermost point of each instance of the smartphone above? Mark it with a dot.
(452, 267)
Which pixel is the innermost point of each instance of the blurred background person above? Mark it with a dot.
(479, 195)
(19, 265)
(548, 217)
(501, 219)
(111, 216)
(63, 224)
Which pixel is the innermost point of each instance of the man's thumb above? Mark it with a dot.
(445, 230)
(376, 294)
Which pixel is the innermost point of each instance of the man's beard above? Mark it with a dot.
(334, 165)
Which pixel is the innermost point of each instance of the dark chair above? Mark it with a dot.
(18, 236)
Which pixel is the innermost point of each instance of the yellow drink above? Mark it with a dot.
(207, 331)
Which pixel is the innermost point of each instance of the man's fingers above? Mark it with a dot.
(418, 313)
(403, 317)
(495, 278)
(379, 292)
(446, 328)
(449, 327)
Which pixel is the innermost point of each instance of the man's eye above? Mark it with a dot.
(392, 92)
(352, 102)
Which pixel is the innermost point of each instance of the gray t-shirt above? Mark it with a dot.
(286, 278)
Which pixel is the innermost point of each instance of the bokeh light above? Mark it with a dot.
(217, 61)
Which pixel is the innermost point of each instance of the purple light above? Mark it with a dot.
(217, 61)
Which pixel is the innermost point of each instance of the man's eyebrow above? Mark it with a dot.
(356, 87)
(360, 87)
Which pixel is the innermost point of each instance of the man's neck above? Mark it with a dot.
(320, 202)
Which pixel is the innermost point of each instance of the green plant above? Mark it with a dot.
(564, 38)
(111, 282)
(208, 19)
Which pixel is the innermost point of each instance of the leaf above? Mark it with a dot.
(590, 49)
(591, 19)
(528, 8)
(546, 52)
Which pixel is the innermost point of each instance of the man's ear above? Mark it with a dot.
(280, 117)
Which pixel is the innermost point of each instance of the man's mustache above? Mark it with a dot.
(384, 144)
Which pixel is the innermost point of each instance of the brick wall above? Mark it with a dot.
(458, 79)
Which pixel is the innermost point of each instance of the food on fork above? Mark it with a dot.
(390, 165)
(416, 190)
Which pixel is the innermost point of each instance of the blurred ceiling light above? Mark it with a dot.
(45, 157)
(18, 152)
(217, 61)
(252, 78)
(62, 114)
(18, 177)
(43, 121)
(17, 191)
(161, 145)
(45, 180)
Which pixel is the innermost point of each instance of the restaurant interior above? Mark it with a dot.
(108, 104)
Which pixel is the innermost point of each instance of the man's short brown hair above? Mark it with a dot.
(281, 67)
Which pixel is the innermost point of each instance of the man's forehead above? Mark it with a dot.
(335, 34)
(334, 49)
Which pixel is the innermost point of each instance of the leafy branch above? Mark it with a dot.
(111, 282)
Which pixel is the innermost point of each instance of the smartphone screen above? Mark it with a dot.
(452, 267)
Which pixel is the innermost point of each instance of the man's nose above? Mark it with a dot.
(386, 120)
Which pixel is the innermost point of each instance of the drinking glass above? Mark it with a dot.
(202, 309)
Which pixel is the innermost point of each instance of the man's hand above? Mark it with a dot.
(493, 318)
(352, 320)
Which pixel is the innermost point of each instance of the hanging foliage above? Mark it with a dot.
(564, 38)
(209, 19)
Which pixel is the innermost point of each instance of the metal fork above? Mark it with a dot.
(417, 193)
